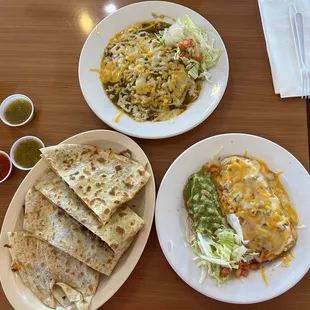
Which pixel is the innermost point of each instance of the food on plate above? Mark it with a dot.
(27, 152)
(118, 232)
(50, 223)
(239, 217)
(153, 70)
(255, 195)
(121, 229)
(76, 222)
(102, 179)
(45, 270)
(18, 111)
(218, 248)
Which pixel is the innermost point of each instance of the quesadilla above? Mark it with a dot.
(52, 224)
(43, 267)
(102, 179)
(119, 230)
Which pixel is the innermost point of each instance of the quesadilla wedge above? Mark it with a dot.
(119, 231)
(41, 266)
(102, 179)
(52, 224)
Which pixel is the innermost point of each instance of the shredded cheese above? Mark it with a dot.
(97, 30)
(255, 194)
(286, 261)
(94, 70)
(141, 76)
(292, 254)
(118, 116)
(264, 276)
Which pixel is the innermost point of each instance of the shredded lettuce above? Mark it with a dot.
(225, 249)
(233, 221)
(208, 54)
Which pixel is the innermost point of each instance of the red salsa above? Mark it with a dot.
(4, 166)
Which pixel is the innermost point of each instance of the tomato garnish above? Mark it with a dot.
(225, 272)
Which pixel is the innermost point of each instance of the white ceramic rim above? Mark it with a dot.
(161, 240)
(123, 129)
(12, 151)
(11, 166)
(131, 257)
(7, 101)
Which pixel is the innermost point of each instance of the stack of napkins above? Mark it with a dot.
(280, 42)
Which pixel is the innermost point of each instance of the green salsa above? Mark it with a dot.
(18, 111)
(27, 153)
(203, 204)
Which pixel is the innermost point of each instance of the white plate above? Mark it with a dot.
(17, 293)
(98, 101)
(170, 217)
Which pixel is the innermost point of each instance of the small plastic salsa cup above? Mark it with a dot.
(27, 152)
(6, 103)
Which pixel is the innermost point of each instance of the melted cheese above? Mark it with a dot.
(255, 194)
(141, 76)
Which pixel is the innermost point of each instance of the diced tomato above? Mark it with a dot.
(184, 54)
(181, 46)
(197, 56)
(188, 43)
(238, 272)
(225, 272)
(255, 266)
(245, 272)
(245, 266)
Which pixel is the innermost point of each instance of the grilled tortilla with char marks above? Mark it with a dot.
(102, 179)
(119, 231)
(52, 224)
(43, 269)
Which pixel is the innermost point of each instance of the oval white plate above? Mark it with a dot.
(170, 217)
(98, 101)
(17, 293)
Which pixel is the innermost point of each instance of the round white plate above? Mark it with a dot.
(17, 293)
(98, 101)
(170, 217)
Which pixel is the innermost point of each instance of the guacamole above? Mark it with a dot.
(203, 204)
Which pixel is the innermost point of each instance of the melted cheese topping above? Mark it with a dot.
(255, 194)
(141, 76)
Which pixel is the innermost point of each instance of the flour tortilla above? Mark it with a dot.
(119, 231)
(102, 179)
(52, 224)
(41, 266)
